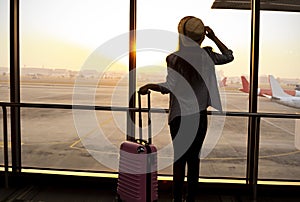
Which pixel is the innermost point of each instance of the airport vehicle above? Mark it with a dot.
(263, 92)
(280, 96)
(137, 181)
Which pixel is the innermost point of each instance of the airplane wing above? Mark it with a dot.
(267, 96)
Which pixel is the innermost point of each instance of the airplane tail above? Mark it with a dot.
(223, 82)
(277, 91)
(245, 84)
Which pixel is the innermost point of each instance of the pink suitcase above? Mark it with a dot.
(137, 181)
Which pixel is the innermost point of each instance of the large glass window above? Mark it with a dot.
(4, 51)
(279, 57)
(279, 149)
(58, 39)
(68, 56)
(4, 65)
(225, 147)
(76, 52)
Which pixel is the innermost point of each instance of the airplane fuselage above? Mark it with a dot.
(288, 101)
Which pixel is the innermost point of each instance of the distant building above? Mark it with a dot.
(28, 71)
(291, 82)
(234, 80)
(60, 73)
(111, 75)
(73, 73)
(89, 73)
(264, 79)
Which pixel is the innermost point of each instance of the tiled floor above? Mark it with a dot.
(80, 193)
(58, 189)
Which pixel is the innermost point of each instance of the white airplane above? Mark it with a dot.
(278, 95)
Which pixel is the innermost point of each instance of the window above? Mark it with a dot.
(227, 135)
(279, 149)
(4, 65)
(279, 57)
(4, 52)
(67, 58)
(76, 53)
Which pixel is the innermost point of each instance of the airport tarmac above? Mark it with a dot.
(89, 140)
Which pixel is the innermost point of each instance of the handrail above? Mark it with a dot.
(153, 110)
(256, 116)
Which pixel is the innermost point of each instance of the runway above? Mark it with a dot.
(90, 140)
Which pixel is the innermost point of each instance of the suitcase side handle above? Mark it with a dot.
(149, 117)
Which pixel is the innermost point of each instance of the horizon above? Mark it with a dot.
(142, 72)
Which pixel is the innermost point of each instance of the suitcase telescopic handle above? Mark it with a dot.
(149, 117)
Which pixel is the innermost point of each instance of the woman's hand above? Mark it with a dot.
(211, 35)
(144, 90)
(209, 32)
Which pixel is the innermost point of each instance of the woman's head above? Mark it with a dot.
(192, 28)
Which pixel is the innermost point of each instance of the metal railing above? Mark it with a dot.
(254, 151)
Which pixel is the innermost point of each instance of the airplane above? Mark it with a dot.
(263, 92)
(281, 97)
(222, 83)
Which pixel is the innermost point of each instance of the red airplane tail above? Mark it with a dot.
(245, 84)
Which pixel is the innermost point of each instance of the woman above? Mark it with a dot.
(192, 85)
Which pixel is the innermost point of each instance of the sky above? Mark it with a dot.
(63, 33)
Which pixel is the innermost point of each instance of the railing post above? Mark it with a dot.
(132, 71)
(256, 157)
(5, 145)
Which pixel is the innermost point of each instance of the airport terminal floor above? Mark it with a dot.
(59, 188)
